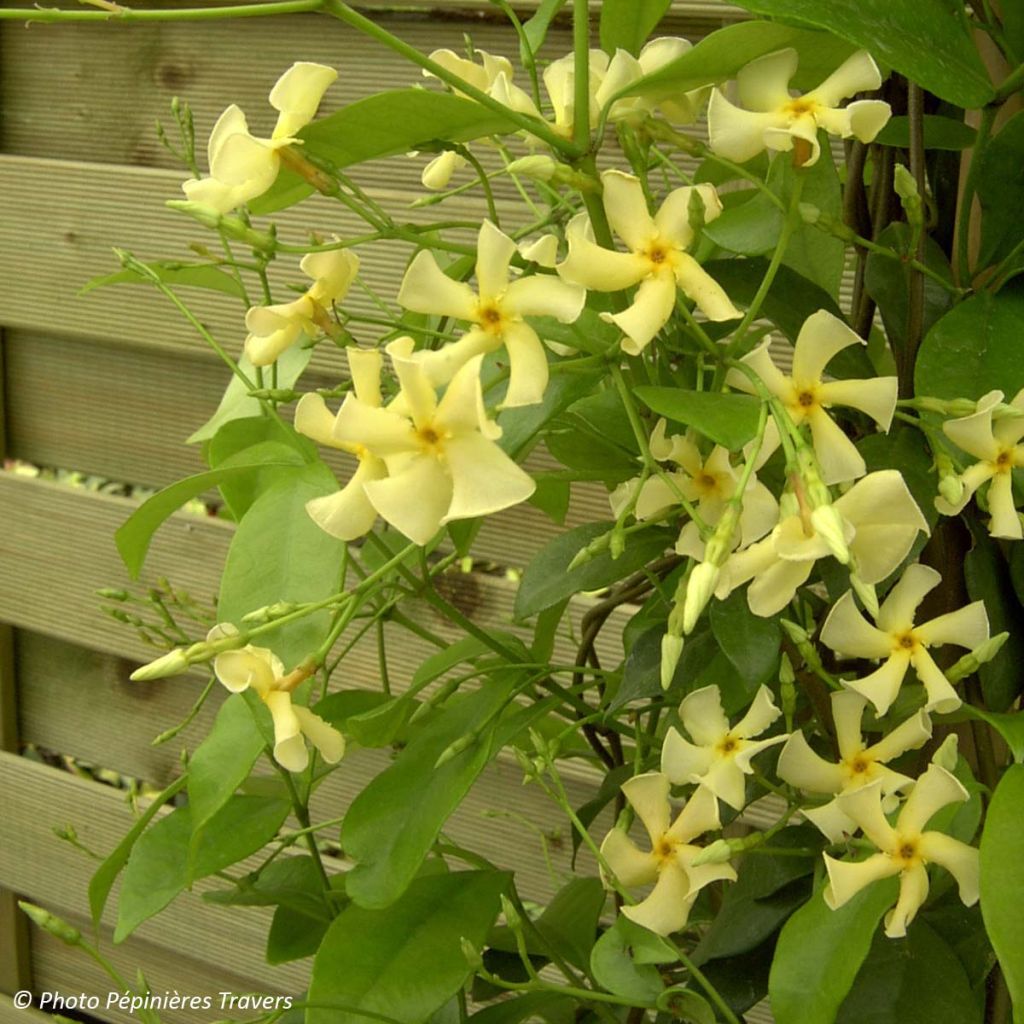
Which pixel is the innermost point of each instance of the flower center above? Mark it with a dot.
(659, 255)
(665, 849)
(430, 440)
(706, 482)
(805, 399)
(906, 851)
(490, 319)
(728, 745)
(906, 642)
(1004, 461)
(800, 106)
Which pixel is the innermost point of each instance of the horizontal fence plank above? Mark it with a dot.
(123, 413)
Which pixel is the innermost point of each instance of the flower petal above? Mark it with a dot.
(726, 780)
(763, 84)
(699, 815)
(289, 749)
(245, 667)
(966, 627)
(941, 695)
(959, 859)
(652, 306)
(603, 270)
(864, 805)
(332, 272)
(761, 713)
(913, 893)
(328, 741)
(484, 479)
(673, 217)
(681, 760)
(427, 289)
(494, 251)
(974, 433)
(364, 366)
(830, 820)
(875, 397)
(837, 454)
(936, 789)
(699, 286)
(383, 432)
(415, 500)
(776, 586)
(667, 908)
(908, 735)
(626, 207)
(648, 796)
(882, 686)
(821, 338)
(761, 362)
(630, 865)
(297, 94)
(1005, 522)
(800, 766)
(313, 419)
(846, 878)
(348, 513)
(735, 133)
(702, 716)
(545, 295)
(900, 606)
(847, 713)
(858, 73)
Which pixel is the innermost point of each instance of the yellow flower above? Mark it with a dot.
(905, 848)
(769, 117)
(997, 446)
(657, 261)
(669, 863)
(902, 644)
(719, 756)
(496, 311)
(273, 329)
(261, 669)
(807, 396)
(858, 765)
(243, 166)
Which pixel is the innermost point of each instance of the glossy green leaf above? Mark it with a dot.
(236, 403)
(134, 535)
(615, 967)
(917, 980)
(552, 496)
(158, 868)
(926, 40)
(294, 935)
(721, 54)
(1001, 190)
(569, 921)
(536, 29)
(753, 644)
(279, 554)
(749, 227)
(403, 962)
(189, 275)
(626, 24)
(974, 349)
(392, 824)
(729, 420)
(548, 1006)
(291, 881)
(820, 951)
(939, 133)
(548, 579)
(105, 875)
(1009, 725)
(1002, 881)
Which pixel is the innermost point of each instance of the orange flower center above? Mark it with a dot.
(490, 319)
(1004, 461)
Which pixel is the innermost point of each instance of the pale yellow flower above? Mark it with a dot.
(997, 446)
(858, 765)
(496, 312)
(881, 521)
(706, 482)
(243, 166)
(261, 669)
(347, 514)
(906, 849)
(657, 260)
(770, 118)
(273, 329)
(441, 458)
(669, 862)
(902, 644)
(720, 754)
(807, 396)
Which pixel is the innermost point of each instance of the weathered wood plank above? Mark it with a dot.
(122, 413)
(10, 1014)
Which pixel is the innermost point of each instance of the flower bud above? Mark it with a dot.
(173, 663)
(951, 487)
(830, 527)
(866, 592)
(947, 754)
(51, 923)
(454, 749)
(233, 226)
(906, 188)
(973, 660)
(699, 589)
(471, 953)
(718, 852)
(537, 167)
(671, 652)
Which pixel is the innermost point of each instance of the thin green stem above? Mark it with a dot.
(581, 74)
(117, 13)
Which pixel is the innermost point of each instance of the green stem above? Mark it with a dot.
(712, 993)
(123, 14)
(581, 74)
(301, 810)
(533, 125)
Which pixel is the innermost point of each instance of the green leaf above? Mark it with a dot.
(974, 349)
(1002, 881)
(939, 133)
(223, 761)
(552, 498)
(548, 579)
(791, 299)
(279, 554)
(926, 40)
(988, 579)
(1009, 725)
(918, 980)
(753, 644)
(721, 54)
(236, 403)
(615, 968)
(820, 951)
(406, 961)
(1001, 190)
(729, 420)
(626, 24)
(750, 227)
(536, 29)
(190, 275)
(290, 881)
(134, 535)
(294, 935)
(158, 868)
(888, 282)
(394, 821)
(549, 1006)
(105, 875)
(569, 922)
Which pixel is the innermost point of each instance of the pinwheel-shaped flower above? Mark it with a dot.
(881, 521)
(905, 848)
(497, 312)
(859, 765)
(719, 756)
(624, 69)
(902, 644)
(669, 863)
(657, 261)
(770, 118)
(807, 397)
(242, 166)
(709, 483)
(440, 456)
(261, 669)
(348, 513)
(997, 446)
(273, 329)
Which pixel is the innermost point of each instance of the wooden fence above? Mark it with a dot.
(110, 384)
